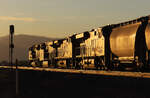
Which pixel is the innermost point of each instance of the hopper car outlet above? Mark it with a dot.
(116, 46)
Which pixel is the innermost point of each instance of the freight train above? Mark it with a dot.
(110, 47)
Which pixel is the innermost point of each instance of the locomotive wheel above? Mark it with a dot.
(99, 63)
(103, 64)
(67, 64)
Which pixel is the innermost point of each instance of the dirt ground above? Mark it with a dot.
(35, 84)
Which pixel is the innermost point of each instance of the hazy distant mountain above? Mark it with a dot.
(22, 43)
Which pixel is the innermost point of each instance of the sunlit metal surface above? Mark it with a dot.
(122, 40)
(147, 35)
(94, 45)
(65, 49)
(92, 72)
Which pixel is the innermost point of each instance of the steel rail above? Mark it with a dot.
(90, 72)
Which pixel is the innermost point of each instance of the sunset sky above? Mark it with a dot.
(60, 18)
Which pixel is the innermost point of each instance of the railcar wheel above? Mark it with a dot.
(67, 63)
(139, 66)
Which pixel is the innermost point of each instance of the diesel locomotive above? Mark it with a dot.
(114, 46)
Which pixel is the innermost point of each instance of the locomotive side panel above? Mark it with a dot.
(95, 44)
(33, 55)
(30, 55)
(51, 50)
(90, 48)
(64, 53)
(65, 49)
(41, 55)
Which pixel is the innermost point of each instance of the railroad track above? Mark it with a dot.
(92, 72)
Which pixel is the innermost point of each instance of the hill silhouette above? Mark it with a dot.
(22, 44)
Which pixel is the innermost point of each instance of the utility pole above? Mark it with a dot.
(17, 80)
(11, 45)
